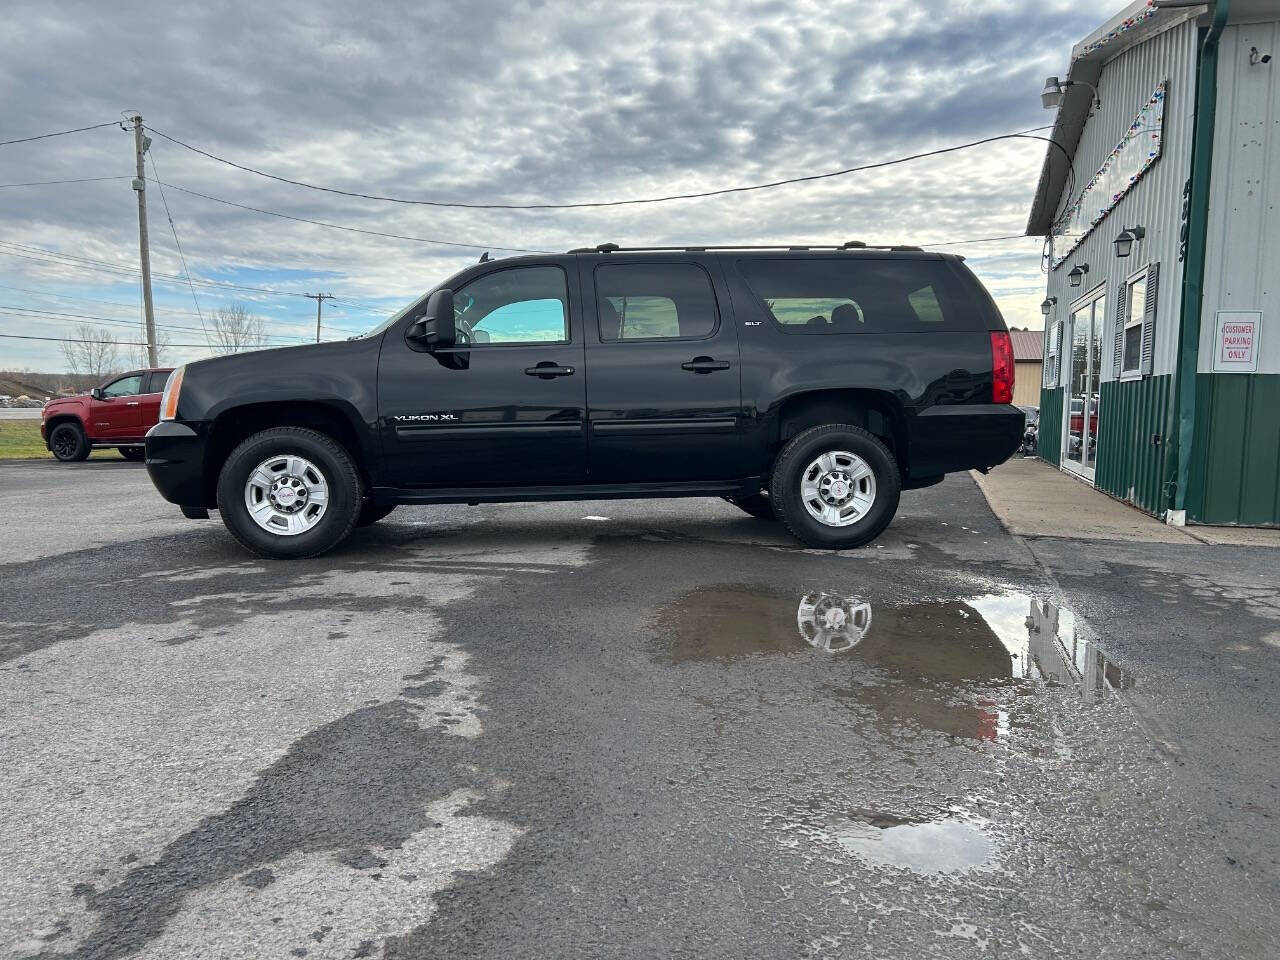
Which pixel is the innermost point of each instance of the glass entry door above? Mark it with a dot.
(1080, 442)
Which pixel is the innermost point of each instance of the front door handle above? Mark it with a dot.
(548, 370)
(704, 365)
(132, 403)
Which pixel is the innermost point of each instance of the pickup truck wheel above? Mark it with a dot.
(372, 512)
(835, 486)
(289, 493)
(132, 453)
(68, 443)
(756, 504)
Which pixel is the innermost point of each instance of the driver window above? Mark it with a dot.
(520, 305)
(124, 387)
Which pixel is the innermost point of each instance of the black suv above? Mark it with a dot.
(808, 383)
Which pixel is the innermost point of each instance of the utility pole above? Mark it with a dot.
(319, 298)
(140, 144)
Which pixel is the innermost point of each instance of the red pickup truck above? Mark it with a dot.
(117, 414)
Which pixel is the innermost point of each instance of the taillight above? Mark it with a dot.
(1001, 367)
(169, 401)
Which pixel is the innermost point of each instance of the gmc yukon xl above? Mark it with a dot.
(809, 384)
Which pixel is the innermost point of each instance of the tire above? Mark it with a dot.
(372, 512)
(865, 506)
(68, 443)
(756, 504)
(133, 454)
(297, 524)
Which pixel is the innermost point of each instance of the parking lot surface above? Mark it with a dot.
(627, 729)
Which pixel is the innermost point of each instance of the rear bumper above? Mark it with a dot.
(175, 461)
(947, 439)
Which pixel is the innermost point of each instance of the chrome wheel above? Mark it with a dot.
(838, 488)
(286, 495)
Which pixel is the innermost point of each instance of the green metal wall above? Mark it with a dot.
(1049, 435)
(1235, 467)
(1130, 466)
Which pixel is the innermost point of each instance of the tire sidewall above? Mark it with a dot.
(340, 477)
(82, 443)
(807, 447)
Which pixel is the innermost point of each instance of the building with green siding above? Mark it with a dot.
(1158, 200)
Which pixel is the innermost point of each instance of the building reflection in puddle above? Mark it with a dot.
(926, 652)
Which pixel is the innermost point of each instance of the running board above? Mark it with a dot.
(587, 491)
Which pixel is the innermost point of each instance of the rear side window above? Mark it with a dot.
(157, 381)
(860, 295)
(654, 301)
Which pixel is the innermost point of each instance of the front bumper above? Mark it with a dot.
(175, 461)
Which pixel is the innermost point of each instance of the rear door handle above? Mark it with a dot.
(548, 370)
(704, 365)
(132, 403)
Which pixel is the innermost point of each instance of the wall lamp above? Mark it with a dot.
(1053, 90)
(1076, 276)
(1047, 305)
(1128, 236)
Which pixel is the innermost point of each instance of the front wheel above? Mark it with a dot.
(289, 493)
(835, 486)
(68, 443)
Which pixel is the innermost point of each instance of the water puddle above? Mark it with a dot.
(917, 650)
(951, 844)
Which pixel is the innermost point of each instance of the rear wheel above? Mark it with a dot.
(835, 486)
(68, 442)
(132, 453)
(756, 504)
(372, 512)
(289, 493)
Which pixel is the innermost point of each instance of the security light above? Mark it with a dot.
(1047, 305)
(1051, 95)
(1076, 276)
(1124, 242)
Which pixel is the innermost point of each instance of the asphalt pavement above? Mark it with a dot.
(628, 729)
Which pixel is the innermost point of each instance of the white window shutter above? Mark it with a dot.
(1149, 318)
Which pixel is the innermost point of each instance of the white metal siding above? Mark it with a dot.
(1244, 232)
(1155, 202)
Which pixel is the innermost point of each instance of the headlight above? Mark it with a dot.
(172, 387)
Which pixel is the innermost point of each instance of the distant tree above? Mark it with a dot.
(236, 329)
(91, 352)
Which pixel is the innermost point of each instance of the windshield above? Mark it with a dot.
(390, 321)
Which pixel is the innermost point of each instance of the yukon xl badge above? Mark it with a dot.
(424, 417)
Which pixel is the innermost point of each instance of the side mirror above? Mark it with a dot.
(96, 393)
(435, 328)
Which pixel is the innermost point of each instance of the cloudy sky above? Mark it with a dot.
(520, 102)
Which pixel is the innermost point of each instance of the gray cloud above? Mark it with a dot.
(525, 102)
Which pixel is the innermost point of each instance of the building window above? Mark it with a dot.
(1133, 308)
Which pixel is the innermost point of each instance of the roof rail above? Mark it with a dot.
(850, 245)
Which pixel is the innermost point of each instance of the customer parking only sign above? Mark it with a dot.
(1235, 341)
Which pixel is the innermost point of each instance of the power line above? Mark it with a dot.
(92, 263)
(957, 243)
(45, 183)
(339, 226)
(118, 343)
(69, 296)
(177, 243)
(61, 133)
(27, 312)
(1028, 134)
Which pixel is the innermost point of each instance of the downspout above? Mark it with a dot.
(1180, 431)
